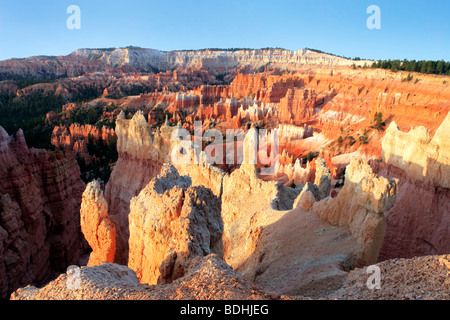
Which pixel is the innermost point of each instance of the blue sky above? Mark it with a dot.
(409, 29)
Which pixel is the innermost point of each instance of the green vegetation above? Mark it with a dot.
(162, 118)
(105, 155)
(351, 140)
(263, 68)
(88, 93)
(364, 139)
(85, 115)
(408, 78)
(378, 119)
(132, 90)
(423, 66)
(28, 113)
(310, 156)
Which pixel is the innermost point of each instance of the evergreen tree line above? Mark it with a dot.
(27, 112)
(423, 66)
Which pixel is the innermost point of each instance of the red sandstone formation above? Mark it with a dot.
(78, 136)
(40, 196)
(96, 225)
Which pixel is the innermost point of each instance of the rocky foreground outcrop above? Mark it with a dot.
(40, 197)
(176, 217)
(172, 222)
(418, 278)
(209, 278)
(286, 251)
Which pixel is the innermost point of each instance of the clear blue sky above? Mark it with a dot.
(409, 29)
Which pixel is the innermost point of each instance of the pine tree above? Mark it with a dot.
(440, 67)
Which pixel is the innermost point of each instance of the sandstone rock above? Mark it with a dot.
(40, 232)
(96, 226)
(141, 156)
(208, 278)
(422, 166)
(322, 178)
(360, 206)
(297, 105)
(170, 223)
(77, 136)
(420, 157)
(307, 197)
(418, 278)
(138, 59)
(203, 174)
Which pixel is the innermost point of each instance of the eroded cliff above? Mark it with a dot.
(40, 197)
(418, 224)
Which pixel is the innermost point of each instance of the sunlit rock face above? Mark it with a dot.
(418, 223)
(141, 156)
(170, 224)
(360, 206)
(97, 227)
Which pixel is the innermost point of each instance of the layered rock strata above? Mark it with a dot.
(419, 223)
(360, 206)
(141, 157)
(40, 197)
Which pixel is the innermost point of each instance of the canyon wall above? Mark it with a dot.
(360, 206)
(84, 61)
(40, 196)
(419, 223)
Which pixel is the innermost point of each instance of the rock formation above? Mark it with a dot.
(141, 156)
(418, 278)
(282, 231)
(78, 136)
(360, 206)
(208, 278)
(420, 157)
(419, 222)
(170, 224)
(40, 197)
(96, 226)
(322, 178)
(139, 59)
(307, 197)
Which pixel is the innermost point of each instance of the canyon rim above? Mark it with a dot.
(129, 173)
